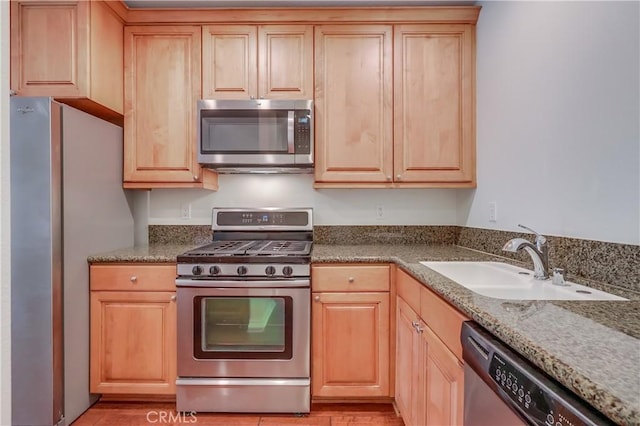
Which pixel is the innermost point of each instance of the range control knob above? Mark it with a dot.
(196, 270)
(214, 270)
(270, 271)
(242, 270)
(287, 271)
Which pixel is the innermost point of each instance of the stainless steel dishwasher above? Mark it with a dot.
(502, 388)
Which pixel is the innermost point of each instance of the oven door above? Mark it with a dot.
(226, 331)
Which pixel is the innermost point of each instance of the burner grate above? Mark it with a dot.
(282, 247)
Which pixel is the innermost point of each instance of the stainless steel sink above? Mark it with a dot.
(504, 281)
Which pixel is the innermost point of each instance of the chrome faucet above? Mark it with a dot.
(539, 252)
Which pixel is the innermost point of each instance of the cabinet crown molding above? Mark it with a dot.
(384, 14)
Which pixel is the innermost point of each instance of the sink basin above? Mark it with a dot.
(504, 281)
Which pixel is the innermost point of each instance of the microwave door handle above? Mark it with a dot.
(290, 145)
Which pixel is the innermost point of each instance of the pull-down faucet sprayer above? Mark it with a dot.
(539, 252)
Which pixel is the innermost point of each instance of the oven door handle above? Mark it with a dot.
(192, 381)
(206, 283)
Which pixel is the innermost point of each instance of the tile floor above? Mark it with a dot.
(164, 414)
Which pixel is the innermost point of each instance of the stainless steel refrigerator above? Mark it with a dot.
(67, 202)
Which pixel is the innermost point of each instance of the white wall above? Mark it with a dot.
(5, 277)
(557, 136)
(331, 206)
(558, 119)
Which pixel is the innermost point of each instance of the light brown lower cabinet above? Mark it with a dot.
(350, 317)
(429, 375)
(133, 329)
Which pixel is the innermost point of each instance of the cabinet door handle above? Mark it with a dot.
(173, 298)
(133, 279)
(317, 298)
(195, 177)
(398, 177)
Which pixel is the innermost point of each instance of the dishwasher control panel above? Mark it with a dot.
(528, 396)
(523, 388)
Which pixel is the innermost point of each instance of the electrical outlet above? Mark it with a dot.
(493, 211)
(380, 212)
(185, 211)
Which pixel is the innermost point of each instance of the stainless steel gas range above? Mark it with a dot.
(244, 314)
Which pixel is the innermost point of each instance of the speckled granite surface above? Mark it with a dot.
(157, 253)
(593, 348)
(388, 234)
(180, 234)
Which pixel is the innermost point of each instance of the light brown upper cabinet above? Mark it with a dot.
(354, 109)
(434, 124)
(70, 50)
(402, 122)
(248, 61)
(162, 88)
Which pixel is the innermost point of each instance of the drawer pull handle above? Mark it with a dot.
(134, 279)
(351, 279)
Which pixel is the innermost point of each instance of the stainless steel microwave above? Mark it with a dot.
(256, 135)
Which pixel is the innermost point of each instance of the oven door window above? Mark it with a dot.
(243, 327)
(245, 131)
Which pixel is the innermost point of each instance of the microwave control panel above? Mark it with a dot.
(302, 131)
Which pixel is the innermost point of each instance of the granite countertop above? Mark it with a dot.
(158, 253)
(593, 348)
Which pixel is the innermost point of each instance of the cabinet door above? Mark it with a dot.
(49, 48)
(444, 383)
(353, 92)
(133, 342)
(409, 371)
(162, 87)
(350, 345)
(107, 58)
(229, 61)
(285, 61)
(434, 123)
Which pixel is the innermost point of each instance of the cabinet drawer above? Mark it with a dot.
(151, 277)
(445, 320)
(350, 278)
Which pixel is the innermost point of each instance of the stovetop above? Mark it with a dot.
(253, 243)
(253, 248)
